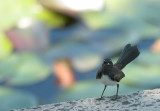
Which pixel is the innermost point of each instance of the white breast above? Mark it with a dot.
(107, 81)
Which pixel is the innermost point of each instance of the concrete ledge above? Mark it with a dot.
(147, 100)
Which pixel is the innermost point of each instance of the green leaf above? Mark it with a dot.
(141, 75)
(96, 20)
(149, 58)
(52, 19)
(23, 69)
(13, 10)
(6, 47)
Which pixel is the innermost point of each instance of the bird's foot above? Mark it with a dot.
(115, 97)
(101, 98)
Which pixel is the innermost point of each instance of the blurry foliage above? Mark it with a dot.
(13, 99)
(11, 11)
(91, 62)
(146, 76)
(149, 58)
(96, 20)
(52, 19)
(23, 69)
(140, 16)
(6, 46)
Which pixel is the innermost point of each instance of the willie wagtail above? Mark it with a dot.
(111, 74)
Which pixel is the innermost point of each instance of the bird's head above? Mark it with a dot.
(107, 64)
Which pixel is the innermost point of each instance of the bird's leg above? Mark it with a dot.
(117, 90)
(103, 91)
(116, 93)
(116, 96)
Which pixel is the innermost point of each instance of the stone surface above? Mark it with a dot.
(148, 100)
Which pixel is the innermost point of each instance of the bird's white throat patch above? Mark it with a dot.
(107, 81)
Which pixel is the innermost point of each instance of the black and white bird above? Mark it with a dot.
(111, 74)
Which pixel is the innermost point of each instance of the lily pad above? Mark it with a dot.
(149, 58)
(142, 76)
(14, 99)
(86, 63)
(8, 67)
(23, 69)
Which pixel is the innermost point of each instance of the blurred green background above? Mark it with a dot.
(50, 50)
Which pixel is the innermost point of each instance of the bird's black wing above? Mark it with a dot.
(128, 54)
(115, 74)
(99, 74)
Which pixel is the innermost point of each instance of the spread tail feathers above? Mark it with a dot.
(128, 54)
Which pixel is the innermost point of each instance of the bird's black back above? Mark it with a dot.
(116, 74)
